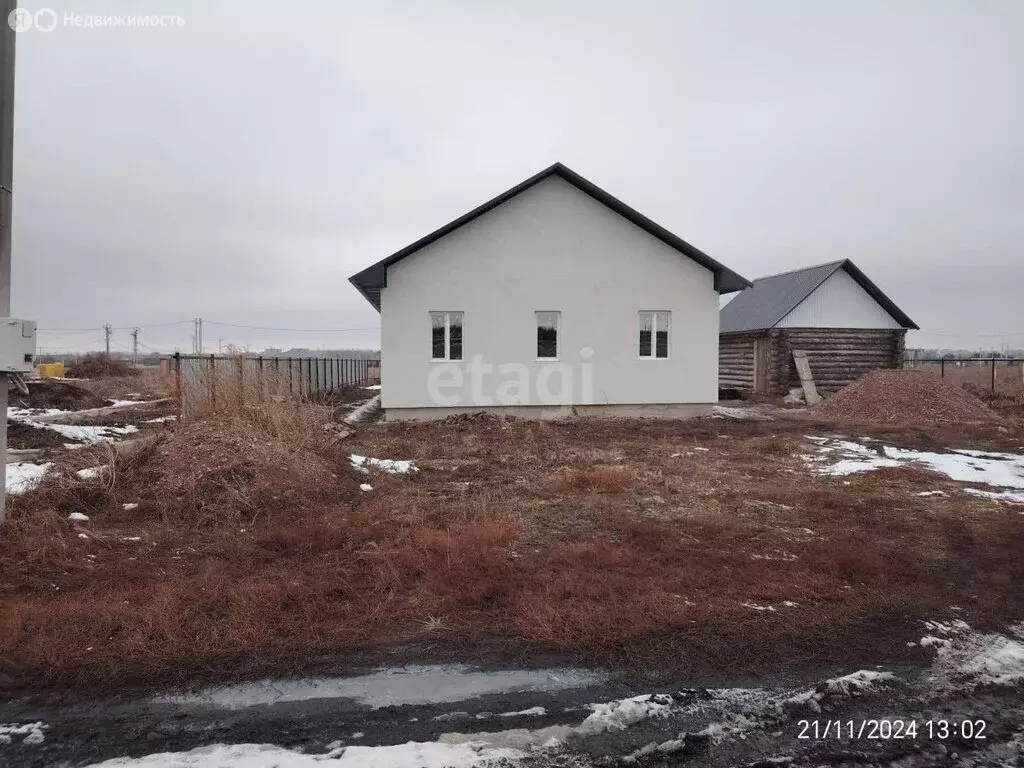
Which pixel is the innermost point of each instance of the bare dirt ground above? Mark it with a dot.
(242, 545)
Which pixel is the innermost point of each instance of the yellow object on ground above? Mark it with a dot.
(50, 370)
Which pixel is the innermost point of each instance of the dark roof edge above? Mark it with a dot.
(862, 280)
(878, 295)
(726, 281)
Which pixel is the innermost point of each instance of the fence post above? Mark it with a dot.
(993, 373)
(177, 385)
(942, 368)
(241, 380)
(213, 381)
(309, 376)
(261, 378)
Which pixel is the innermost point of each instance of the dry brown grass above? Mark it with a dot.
(150, 383)
(616, 542)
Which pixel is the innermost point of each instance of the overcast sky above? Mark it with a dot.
(242, 166)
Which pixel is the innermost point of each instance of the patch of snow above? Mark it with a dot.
(364, 411)
(1002, 470)
(531, 712)
(930, 493)
(756, 607)
(161, 419)
(27, 414)
(391, 466)
(966, 659)
(365, 487)
(853, 684)
(619, 715)
(23, 476)
(30, 733)
(130, 506)
(1009, 497)
(83, 536)
(412, 754)
(954, 627)
(78, 517)
(374, 387)
(131, 538)
(89, 434)
(91, 473)
(741, 414)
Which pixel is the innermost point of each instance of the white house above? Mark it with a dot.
(552, 298)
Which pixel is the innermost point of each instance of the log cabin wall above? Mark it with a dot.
(838, 356)
(736, 359)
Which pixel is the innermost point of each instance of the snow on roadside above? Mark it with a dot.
(412, 754)
(23, 476)
(853, 684)
(391, 466)
(30, 733)
(619, 715)
(966, 659)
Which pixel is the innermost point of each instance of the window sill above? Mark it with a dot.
(545, 359)
(641, 357)
(446, 360)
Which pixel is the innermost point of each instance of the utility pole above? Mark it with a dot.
(197, 336)
(6, 194)
(135, 347)
(107, 330)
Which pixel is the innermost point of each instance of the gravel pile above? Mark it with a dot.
(905, 397)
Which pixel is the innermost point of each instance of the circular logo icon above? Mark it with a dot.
(20, 20)
(45, 19)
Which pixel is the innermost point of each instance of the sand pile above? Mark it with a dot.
(905, 397)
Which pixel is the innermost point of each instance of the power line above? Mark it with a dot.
(113, 327)
(292, 330)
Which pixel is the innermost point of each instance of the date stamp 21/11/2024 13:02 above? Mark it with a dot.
(893, 729)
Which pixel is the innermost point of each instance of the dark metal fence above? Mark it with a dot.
(221, 379)
(1004, 375)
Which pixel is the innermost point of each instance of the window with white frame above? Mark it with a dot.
(548, 324)
(654, 327)
(445, 335)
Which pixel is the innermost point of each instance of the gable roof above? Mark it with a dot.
(771, 298)
(370, 281)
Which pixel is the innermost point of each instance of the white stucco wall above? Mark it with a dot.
(839, 302)
(550, 248)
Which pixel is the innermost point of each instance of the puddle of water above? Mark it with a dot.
(428, 684)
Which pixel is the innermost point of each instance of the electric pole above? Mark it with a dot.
(6, 194)
(107, 330)
(135, 347)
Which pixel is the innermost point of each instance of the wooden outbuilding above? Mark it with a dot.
(833, 312)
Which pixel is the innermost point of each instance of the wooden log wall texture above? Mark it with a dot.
(736, 360)
(838, 356)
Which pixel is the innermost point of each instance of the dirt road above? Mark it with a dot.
(965, 708)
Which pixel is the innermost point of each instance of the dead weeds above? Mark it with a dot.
(687, 547)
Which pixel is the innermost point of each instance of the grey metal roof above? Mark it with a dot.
(371, 280)
(771, 298)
